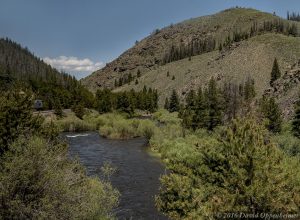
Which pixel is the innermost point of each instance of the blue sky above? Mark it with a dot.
(81, 36)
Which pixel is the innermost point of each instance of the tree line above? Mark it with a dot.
(128, 101)
(193, 48)
(216, 105)
(20, 69)
(200, 46)
(293, 16)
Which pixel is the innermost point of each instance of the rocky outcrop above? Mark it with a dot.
(286, 89)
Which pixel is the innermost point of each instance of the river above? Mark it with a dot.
(137, 176)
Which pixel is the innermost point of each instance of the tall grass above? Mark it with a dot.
(71, 123)
(117, 126)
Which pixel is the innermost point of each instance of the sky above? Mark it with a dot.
(80, 36)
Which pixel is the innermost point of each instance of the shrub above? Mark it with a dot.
(74, 124)
(288, 143)
(146, 128)
(240, 171)
(79, 110)
(165, 117)
(38, 181)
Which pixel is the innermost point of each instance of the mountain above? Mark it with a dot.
(21, 68)
(231, 45)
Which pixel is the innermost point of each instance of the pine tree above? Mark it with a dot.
(79, 110)
(201, 111)
(275, 74)
(166, 105)
(215, 105)
(168, 74)
(296, 120)
(16, 118)
(136, 82)
(138, 74)
(249, 90)
(174, 102)
(272, 113)
(58, 109)
(120, 81)
(173, 77)
(191, 100)
(130, 78)
(103, 102)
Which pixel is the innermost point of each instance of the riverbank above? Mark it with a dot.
(202, 162)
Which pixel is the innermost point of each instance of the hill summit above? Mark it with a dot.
(231, 45)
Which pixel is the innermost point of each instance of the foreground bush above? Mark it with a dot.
(38, 181)
(241, 171)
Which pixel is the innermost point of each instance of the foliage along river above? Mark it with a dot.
(137, 176)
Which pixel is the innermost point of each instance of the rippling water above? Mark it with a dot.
(137, 176)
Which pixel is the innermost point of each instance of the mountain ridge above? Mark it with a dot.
(148, 53)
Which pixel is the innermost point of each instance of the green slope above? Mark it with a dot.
(253, 57)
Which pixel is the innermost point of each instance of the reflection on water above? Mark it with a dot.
(137, 176)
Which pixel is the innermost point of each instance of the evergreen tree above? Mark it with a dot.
(120, 81)
(173, 77)
(58, 109)
(78, 109)
(272, 113)
(103, 101)
(138, 74)
(275, 74)
(16, 118)
(168, 74)
(166, 105)
(191, 100)
(136, 82)
(174, 102)
(130, 78)
(296, 120)
(233, 100)
(249, 90)
(124, 103)
(215, 105)
(201, 111)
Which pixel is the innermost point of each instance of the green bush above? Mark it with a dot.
(73, 124)
(163, 133)
(38, 181)
(116, 126)
(165, 117)
(239, 169)
(288, 143)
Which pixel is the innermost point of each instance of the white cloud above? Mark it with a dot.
(74, 65)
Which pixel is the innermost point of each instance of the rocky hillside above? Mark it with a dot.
(253, 58)
(149, 53)
(287, 89)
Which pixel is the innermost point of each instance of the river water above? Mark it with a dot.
(137, 176)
